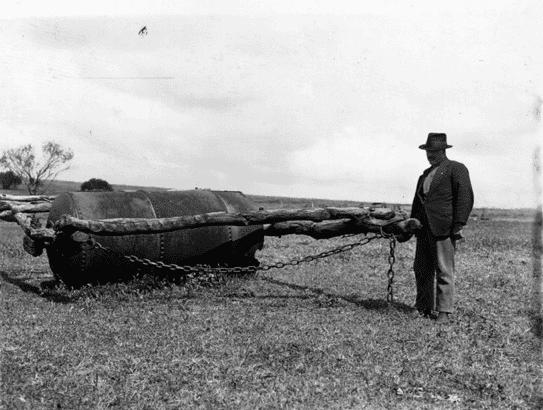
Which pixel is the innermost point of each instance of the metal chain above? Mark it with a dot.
(187, 269)
(196, 270)
(320, 255)
(391, 260)
(237, 269)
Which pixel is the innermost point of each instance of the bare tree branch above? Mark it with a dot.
(22, 161)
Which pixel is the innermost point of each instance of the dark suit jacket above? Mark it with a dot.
(449, 200)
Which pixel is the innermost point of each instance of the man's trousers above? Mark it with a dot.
(434, 258)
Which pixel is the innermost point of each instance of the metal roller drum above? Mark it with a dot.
(226, 245)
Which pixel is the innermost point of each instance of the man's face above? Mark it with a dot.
(435, 157)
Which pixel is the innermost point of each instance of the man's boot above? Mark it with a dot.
(442, 318)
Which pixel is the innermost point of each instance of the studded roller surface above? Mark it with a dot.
(234, 246)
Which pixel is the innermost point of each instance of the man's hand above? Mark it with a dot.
(404, 237)
(457, 234)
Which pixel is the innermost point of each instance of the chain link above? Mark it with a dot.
(187, 269)
(198, 270)
(325, 254)
(391, 261)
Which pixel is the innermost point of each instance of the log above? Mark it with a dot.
(17, 209)
(27, 198)
(24, 222)
(37, 234)
(17, 206)
(330, 229)
(32, 247)
(356, 219)
(45, 235)
(24, 203)
(7, 216)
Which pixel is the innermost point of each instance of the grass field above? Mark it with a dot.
(248, 343)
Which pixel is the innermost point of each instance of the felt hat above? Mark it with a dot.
(435, 141)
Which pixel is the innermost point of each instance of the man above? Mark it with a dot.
(443, 201)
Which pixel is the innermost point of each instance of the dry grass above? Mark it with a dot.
(251, 344)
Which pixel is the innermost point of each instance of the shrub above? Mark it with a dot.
(9, 179)
(96, 184)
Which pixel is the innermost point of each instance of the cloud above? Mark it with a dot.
(351, 155)
(301, 103)
(23, 8)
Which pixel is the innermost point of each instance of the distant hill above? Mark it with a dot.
(280, 202)
(267, 202)
(57, 187)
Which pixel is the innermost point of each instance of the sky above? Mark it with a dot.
(321, 99)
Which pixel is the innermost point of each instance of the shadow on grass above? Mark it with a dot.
(369, 304)
(47, 289)
(54, 291)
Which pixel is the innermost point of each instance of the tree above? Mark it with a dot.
(96, 184)
(9, 179)
(35, 174)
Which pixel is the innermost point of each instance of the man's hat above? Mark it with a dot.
(436, 141)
